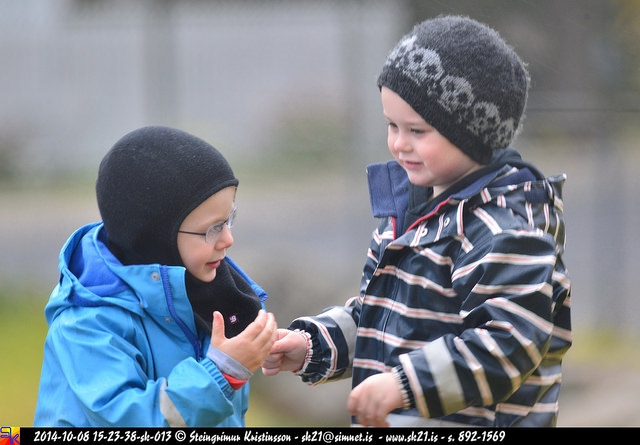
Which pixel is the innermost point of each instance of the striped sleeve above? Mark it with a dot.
(515, 289)
(333, 336)
(333, 333)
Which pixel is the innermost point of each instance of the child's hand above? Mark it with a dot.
(374, 398)
(251, 346)
(287, 354)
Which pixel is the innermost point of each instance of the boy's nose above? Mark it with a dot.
(401, 144)
(225, 239)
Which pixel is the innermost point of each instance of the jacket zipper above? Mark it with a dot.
(169, 296)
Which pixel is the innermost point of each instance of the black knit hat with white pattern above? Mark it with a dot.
(463, 79)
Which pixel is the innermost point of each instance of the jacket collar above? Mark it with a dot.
(392, 195)
(107, 281)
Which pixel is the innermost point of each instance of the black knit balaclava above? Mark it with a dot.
(149, 181)
(463, 79)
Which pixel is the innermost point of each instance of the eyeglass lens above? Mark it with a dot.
(214, 231)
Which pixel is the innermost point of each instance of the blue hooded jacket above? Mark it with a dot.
(122, 348)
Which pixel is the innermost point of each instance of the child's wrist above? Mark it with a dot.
(228, 366)
(307, 355)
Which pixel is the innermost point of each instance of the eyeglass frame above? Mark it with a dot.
(213, 231)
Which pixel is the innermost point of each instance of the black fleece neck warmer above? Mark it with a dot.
(149, 181)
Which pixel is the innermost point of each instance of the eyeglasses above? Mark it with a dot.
(212, 233)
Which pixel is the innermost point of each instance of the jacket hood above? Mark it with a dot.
(91, 276)
(392, 195)
(98, 285)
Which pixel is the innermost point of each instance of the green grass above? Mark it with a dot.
(22, 333)
(263, 414)
(605, 347)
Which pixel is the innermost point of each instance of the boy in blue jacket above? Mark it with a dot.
(464, 313)
(151, 324)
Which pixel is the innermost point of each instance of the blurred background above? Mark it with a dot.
(286, 89)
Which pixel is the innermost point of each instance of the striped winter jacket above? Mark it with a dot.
(469, 306)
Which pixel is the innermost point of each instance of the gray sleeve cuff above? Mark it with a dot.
(228, 365)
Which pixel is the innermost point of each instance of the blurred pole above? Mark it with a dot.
(159, 59)
(364, 50)
(610, 231)
(351, 18)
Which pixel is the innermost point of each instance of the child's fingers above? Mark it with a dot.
(272, 364)
(262, 329)
(271, 329)
(374, 398)
(273, 360)
(267, 337)
(270, 369)
(353, 400)
(283, 343)
(217, 328)
(365, 411)
(255, 327)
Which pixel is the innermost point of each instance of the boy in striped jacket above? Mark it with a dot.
(464, 312)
